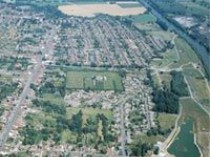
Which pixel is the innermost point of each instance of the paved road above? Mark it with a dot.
(16, 110)
(122, 125)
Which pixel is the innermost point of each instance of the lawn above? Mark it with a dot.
(94, 80)
(155, 80)
(53, 98)
(149, 139)
(88, 112)
(68, 137)
(143, 18)
(166, 79)
(162, 34)
(166, 121)
(147, 27)
(5, 78)
(198, 86)
(187, 54)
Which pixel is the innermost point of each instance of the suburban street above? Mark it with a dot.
(16, 110)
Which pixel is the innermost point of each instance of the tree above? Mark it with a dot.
(138, 148)
(165, 101)
(76, 123)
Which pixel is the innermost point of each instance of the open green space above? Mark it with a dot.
(186, 53)
(183, 145)
(149, 139)
(166, 79)
(201, 122)
(53, 121)
(165, 35)
(89, 112)
(52, 98)
(94, 80)
(198, 86)
(143, 18)
(169, 57)
(166, 121)
(195, 9)
(183, 54)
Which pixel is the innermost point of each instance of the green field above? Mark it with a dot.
(194, 8)
(129, 5)
(173, 60)
(53, 98)
(166, 121)
(142, 18)
(89, 112)
(198, 86)
(94, 80)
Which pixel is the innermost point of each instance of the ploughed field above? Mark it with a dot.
(89, 10)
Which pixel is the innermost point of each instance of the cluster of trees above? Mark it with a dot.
(7, 89)
(162, 24)
(49, 87)
(178, 85)
(54, 83)
(165, 100)
(158, 131)
(54, 127)
(11, 61)
(34, 136)
(138, 148)
(49, 107)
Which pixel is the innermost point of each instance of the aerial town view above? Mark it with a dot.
(104, 78)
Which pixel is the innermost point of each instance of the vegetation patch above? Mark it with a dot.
(94, 80)
(90, 112)
(178, 85)
(198, 86)
(165, 101)
(143, 18)
(166, 121)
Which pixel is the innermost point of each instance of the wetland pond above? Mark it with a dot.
(183, 145)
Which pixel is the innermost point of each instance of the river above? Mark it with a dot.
(199, 49)
(183, 145)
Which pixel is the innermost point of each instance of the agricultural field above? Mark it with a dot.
(89, 10)
(38, 2)
(94, 80)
